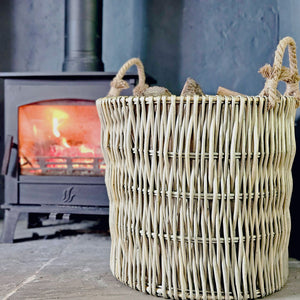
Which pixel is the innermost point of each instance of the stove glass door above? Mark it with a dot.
(60, 137)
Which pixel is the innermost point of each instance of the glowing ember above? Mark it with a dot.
(85, 149)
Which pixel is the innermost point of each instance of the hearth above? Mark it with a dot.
(53, 162)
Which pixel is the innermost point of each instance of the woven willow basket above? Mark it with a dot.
(200, 188)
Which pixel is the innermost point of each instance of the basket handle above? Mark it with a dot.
(278, 72)
(118, 84)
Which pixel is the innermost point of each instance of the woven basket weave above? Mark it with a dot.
(199, 190)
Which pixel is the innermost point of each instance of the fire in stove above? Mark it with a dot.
(60, 137)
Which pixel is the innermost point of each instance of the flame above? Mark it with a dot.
(58, 118)
(34, 130)
(65, 143)
(55, 125)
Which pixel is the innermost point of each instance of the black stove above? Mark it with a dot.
(52, 166)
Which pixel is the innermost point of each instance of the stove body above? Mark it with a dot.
(62, 185)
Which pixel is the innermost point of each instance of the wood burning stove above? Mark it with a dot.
(53, 162)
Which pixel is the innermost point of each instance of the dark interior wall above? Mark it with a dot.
(5, 64)
(6, 39)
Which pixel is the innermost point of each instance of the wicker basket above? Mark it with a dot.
(200, 188)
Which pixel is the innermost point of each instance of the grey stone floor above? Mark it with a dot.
(76, 267)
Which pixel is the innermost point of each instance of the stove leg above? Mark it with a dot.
(10, 222)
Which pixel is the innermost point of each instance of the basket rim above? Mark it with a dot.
(213, 98)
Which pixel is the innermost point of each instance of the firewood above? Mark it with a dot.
(225, 92)
(191, 88)
(156, 91)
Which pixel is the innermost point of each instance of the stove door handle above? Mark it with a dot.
(7, 152)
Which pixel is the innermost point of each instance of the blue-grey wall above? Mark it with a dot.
(31, 35)
(225, 42)
(37, 35)
(290, 26)
(289, 20)
(215, 42)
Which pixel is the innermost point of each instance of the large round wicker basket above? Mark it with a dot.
(199, 191)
